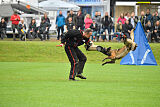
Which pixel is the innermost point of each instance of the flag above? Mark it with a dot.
(143, 54)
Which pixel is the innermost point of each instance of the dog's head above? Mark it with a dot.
(130, 44)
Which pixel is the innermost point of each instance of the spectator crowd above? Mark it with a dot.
(103, 26)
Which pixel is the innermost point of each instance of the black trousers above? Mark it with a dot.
(2, 33)
(58, 29)
(80, 26)
(31, 35)
(155, 35)
(42, 35)
(77, 60)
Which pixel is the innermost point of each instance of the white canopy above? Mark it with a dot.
(54, 5)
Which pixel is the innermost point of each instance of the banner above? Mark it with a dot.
(143, 54)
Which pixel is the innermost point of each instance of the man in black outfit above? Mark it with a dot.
(126, 28)
(72, 39)
(3, 27)
(43, 29)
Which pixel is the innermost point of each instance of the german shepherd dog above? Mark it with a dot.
(115, 54)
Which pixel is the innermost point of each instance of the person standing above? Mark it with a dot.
(143, 19)
(148, 16)
(15, 21)
(127, 16)
(3, 27)
(60, 22)
(79, 20)
(133, 20)
(107, 24)
(97, 19)
(71, 14)
(121, 18)
(48, 21)
(72, 40)
(155, 18)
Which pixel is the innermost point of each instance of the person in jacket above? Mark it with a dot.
(106, 25)
(70, 25)
(71, 14)
(148, 30)
(46, 18)
(143, 19)
(121, 18)
(127, 16)
(60, 22)
(126, 29)
(156, 31)
(155, 18)
(32, 30)
(94, 27)
(98, 21)
(148, 16)
(15, 21)
(72, 40)
(79, 20)
(22, 30)
(133, 19)
(88, 21)
(3, 27)
(43, 30)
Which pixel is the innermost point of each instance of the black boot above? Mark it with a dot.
(80, 76)
(104, 50)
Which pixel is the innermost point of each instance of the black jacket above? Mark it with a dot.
(79, 20)
(157, 28)
(94, 28)
(22, 26)
(135, 20)
(46, 19)
(73, 18)
(32, 26)
(74, 38)
(43, 26)
(143, 20)
(107, 21)
(154, 19)
(150, 28)
(126, 27)
(3, 25)
(70, 26)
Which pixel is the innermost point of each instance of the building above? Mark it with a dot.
(91, 6)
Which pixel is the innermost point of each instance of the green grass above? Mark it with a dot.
(35, 74)
(36, 51)
(25, 84)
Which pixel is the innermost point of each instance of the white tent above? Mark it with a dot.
(54, 5)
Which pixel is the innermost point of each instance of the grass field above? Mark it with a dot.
(35, 74)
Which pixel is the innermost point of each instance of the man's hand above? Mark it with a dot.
(155, 31)
(61, 45)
